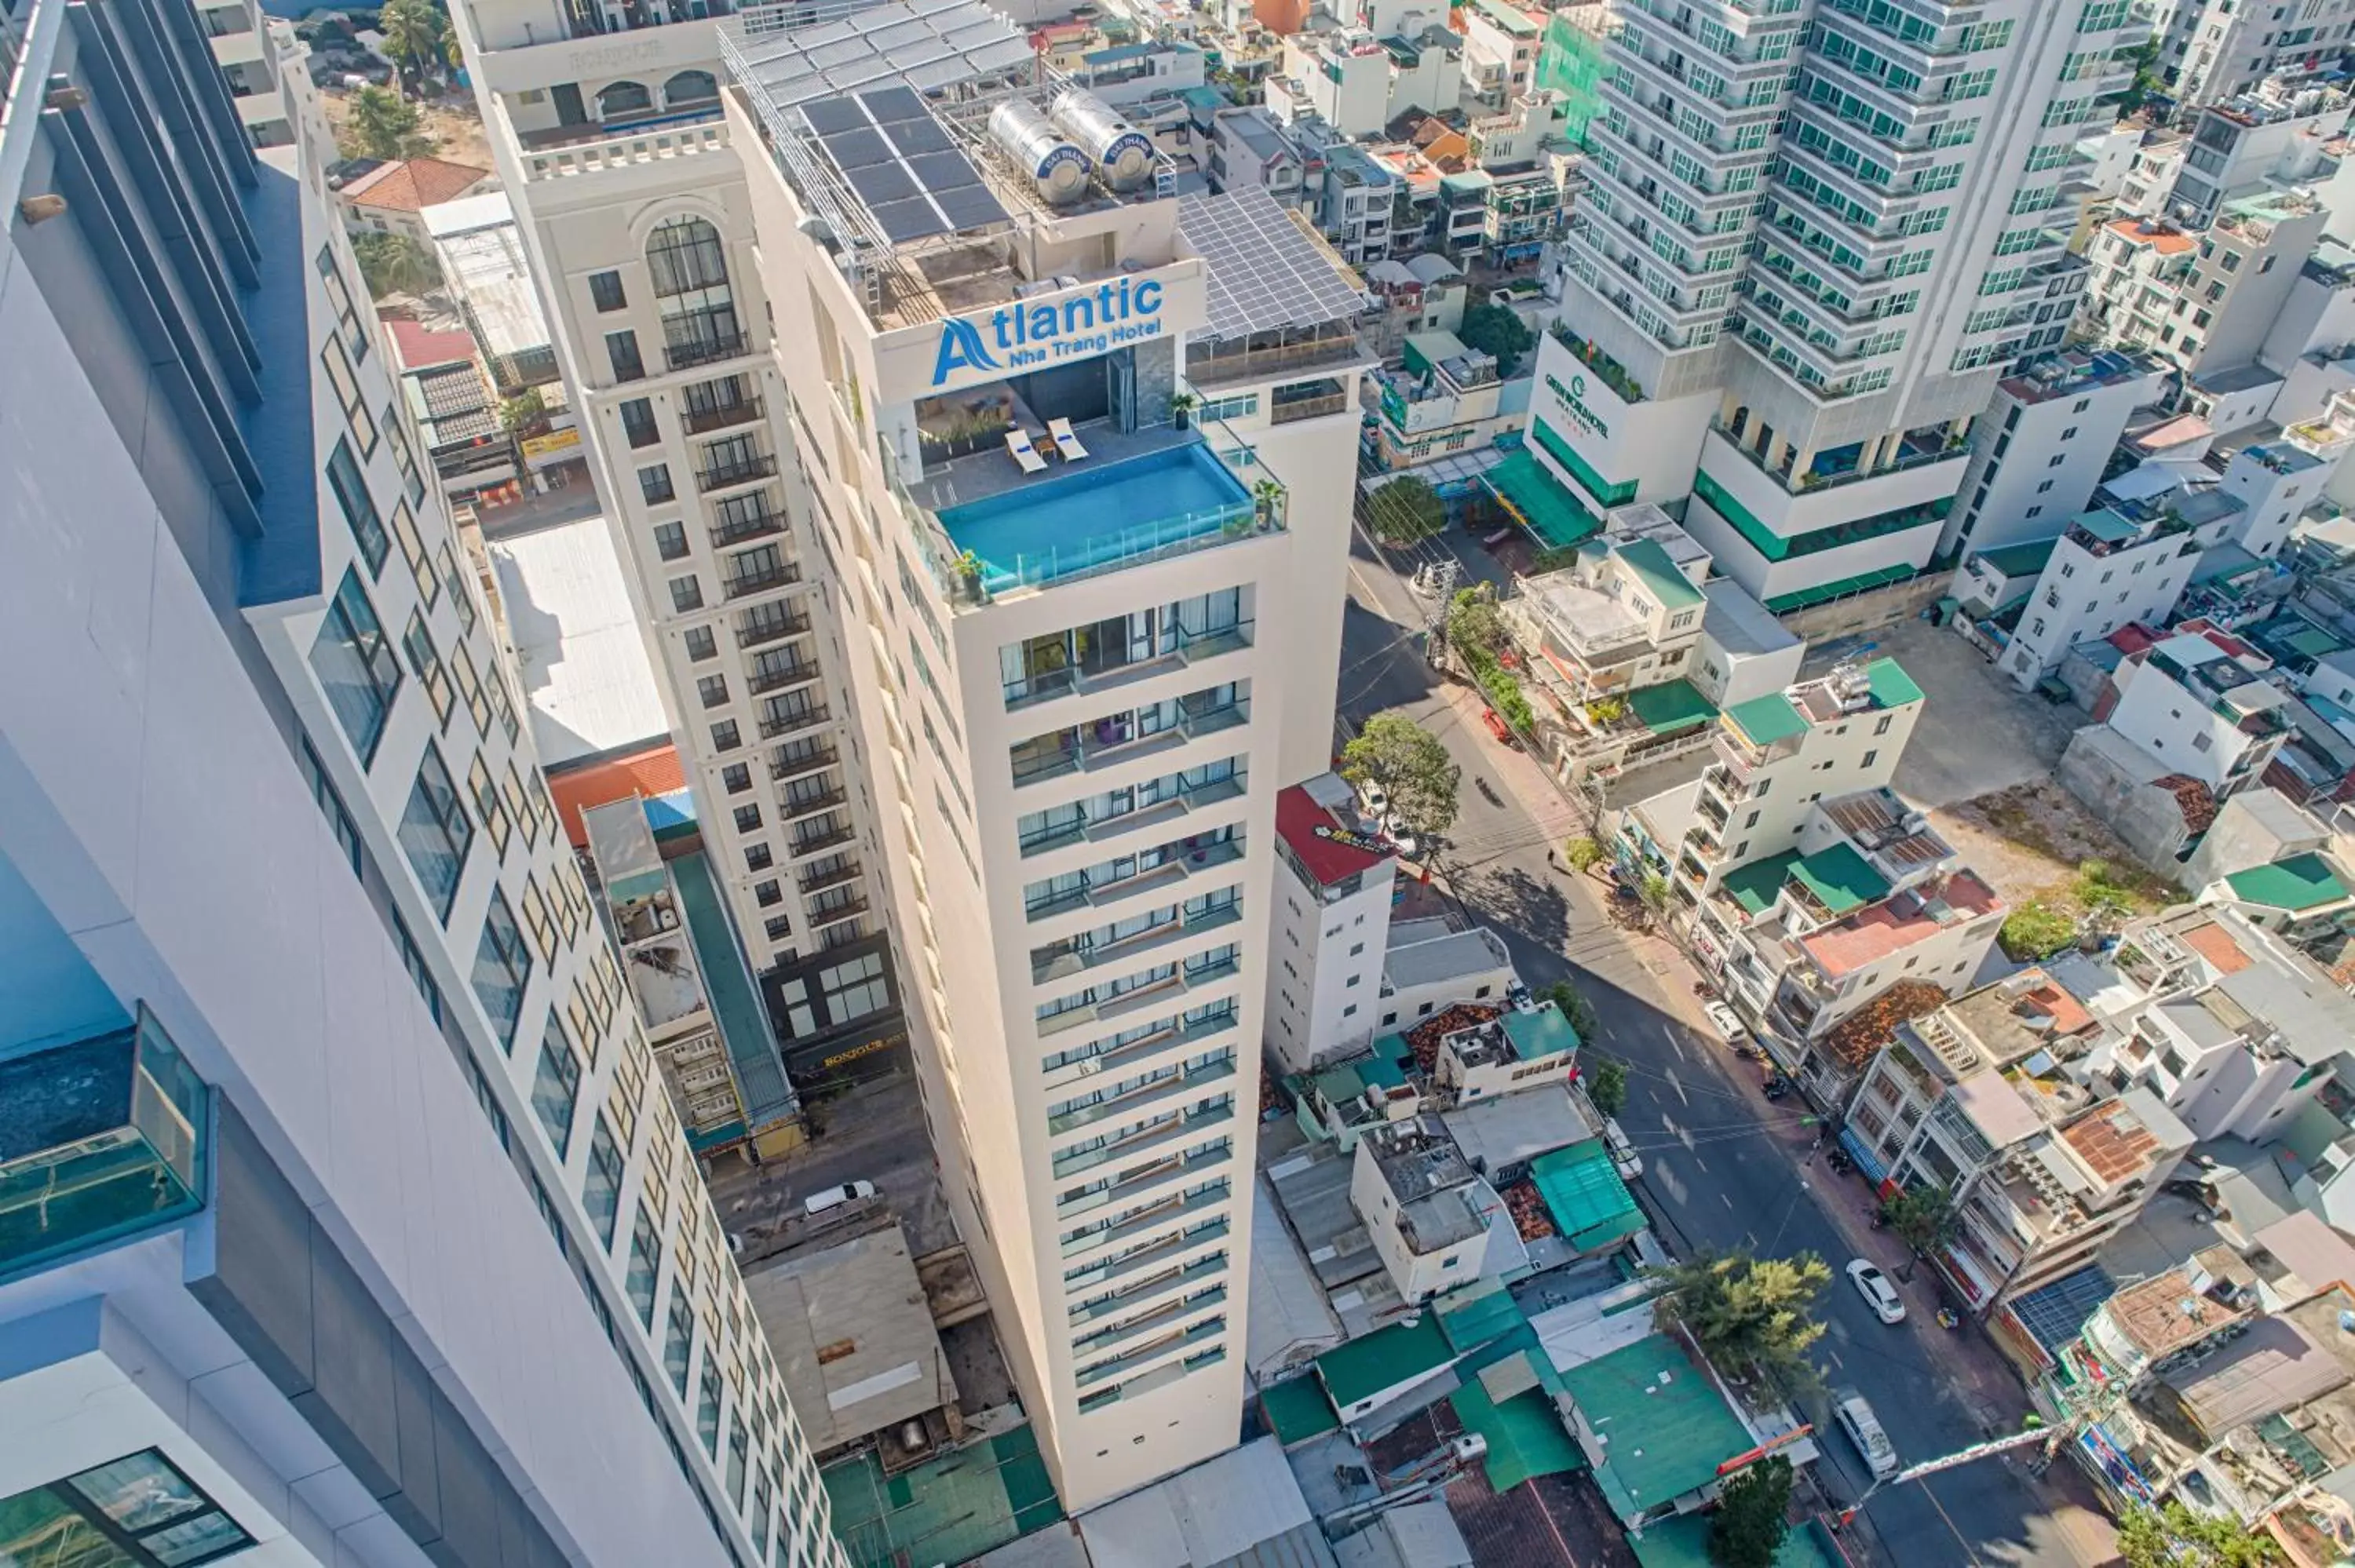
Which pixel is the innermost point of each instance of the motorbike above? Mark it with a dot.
(1776, 1089)
(1949, 1319)
(1705, 990)
(1840, 1161)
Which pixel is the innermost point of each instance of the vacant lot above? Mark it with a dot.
(2032, 842)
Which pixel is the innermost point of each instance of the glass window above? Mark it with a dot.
(339, 300)
(339, 821)
(356, 666)
(470, 686)
(501, 966)
(138, 1512)
(512, 787)
(404, 456)
(600, 1194)
(413, 550)
(653, 483)
(556, 1085)
(347, 385)
(606, 292)
(638, 423)
(460, 599)
(670, 541)
(645, 1266)
(537, 921)
(488, 804)
(707, 1405)
(350, 485)
(701, 643)
(435, 833)
(678, 1347)
(418, 640)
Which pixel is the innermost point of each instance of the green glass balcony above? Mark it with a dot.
(99, 1141)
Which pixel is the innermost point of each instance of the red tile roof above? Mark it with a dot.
(1894, 925)
(2132, 637)
(2111, 1143)
(417, 345)
(653, 771)
(2215, 944)
(2049, 999)
(1330, 850)
(2173, 242)
(408, 186)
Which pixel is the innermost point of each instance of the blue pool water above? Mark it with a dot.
(1092, 517)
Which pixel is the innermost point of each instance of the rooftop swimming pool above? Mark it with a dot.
(1095, 517)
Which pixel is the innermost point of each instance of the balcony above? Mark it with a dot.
(741, 471)
(1118, 1365)
(798, 674)
(810, 717)
(1163, 809)
(709, 349)
(1306, 400)
(738, 530)
(1179, 863)
(1150, 1322)
(99, 1140)
(1110, 742)
(760, 631)
(1154, 1091)
(1096, 675)
(1073, 956)
(743, 585)
(1147, 1219)
(821, 919)
(817, 842)
(1713, 812)
(1119, 1058)
(818, 882)
(722, 416)
(987, 530)
(802, 806)
(1131, 1297)
(1149, 1255)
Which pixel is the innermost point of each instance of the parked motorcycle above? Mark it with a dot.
(1776, 1089)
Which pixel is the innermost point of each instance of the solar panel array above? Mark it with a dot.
(924, 44)
(906, 171)
(1264, 273)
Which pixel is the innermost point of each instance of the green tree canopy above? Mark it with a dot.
(1749, 1315)
(412, 36)
(395, 264)
(1752, 1516)
(1473, 620)
(1412, 769)
(1498, 330)
(1606, 1085)
(383, 124)
(2176, 1537)
(1405, 510)
(1924, 1219)
(1580, 1013)
(1582, 852)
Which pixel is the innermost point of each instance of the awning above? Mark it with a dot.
(1590, 1204)
(1541, 503)
(1841, 588)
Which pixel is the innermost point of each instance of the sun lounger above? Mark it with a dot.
(1017, 442)
(1066, 443)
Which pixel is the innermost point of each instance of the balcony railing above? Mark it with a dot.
(817, 842)
(1095, 676)
(719, 476)
(835, 878)
(800, 673)
(737, 530)
(762, 631)
(1072, 750)
(776, 724)
(742, 584)
(814, 803)
(119, 1128)
(721, 417)
(837, 913)
(706, 350)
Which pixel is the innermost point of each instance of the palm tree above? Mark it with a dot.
(412, 36)
(454, 56)
(383, 124)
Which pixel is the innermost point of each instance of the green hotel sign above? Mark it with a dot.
(1572, 399)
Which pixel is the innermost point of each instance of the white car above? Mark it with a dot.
(1395, 829)
(820, 1202)
(1375, 800)
(1726, 1021)
(1864, 1429)
(1878, 1293)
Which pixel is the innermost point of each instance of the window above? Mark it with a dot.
(606, 293)
(435, 833)
(856, 989)
(638, 423)
(655, 485)
(711, 690)
(350, 485)
(537, 921)
(679, 1345)
(2045, 486)
(2034, 511)
(355, 667)
(600, 1194)
(747, 818)
(501, 966)
(1880, 728)
(686, 594)
(645, 1266)
(1869, 757)
(724, 735)
(470, 686)
(339, 300)
(778, 927)
(338, 366)
(488, 804)
(622, 348)
(512, 790)
(138, 1512)
(555, 1084)
(404, 456)
(736, 778)
(331, 805)
(2057, 459)
(758, 857)
(767, 894)
(418, 643)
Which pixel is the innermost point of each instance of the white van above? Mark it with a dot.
(1864, 1430)
(825, 1198)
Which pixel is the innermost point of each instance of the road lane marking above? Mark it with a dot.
(1677, 1084)
(1969, 1555)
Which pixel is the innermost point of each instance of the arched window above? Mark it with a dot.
(688, 262)
(622, 99)
(689, 87)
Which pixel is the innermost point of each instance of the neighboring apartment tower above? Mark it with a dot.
(1813, 236)
(2214, 49)
(630, 199)
(344, 1217)
(1080, 678)
(2040, 446)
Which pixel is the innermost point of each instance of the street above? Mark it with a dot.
(1723, 1167)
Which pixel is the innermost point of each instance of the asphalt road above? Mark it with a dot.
(1723, 1165)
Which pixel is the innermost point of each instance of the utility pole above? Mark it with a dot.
(2021, 1439)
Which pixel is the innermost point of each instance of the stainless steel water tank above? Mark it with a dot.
(1058, 170)
(1122, 153)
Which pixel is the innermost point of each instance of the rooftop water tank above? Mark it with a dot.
(1058, 170)
(1122, 153)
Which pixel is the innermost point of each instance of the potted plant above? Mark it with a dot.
(1181, 410)
(968, 570)
(1265, 497)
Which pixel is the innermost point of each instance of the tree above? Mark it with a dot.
(1606, 1086)
(454, 53)
(1498, 330)
(1405, 510)
(1752, 1516)
(383, 124)
(2146, 83)
(519, 413)
(1653, 891)
(1412, 769)
(412, 37)
(395, 264)
(1472, 622)
(2178, 1538)
(1583, 854)
(2036, 930)
(1747, 1314)
(1580, 1013)
(1924, 1219)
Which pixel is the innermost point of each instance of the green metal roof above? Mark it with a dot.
(2301, 882)
(1841, 588)
(1539, 1034)
(2313, 642)
(1590, 1204)
(1339, 1083)
(1297, 1409)
(1380, 1073)
(1477, 1313)
(1675, 706)
(1756, 886)
(2018, 560)
(1767, 719)
(1668, 1427)
(1890, 685)
(1540, 502)
(1383, 1358)
(1840, 878)
(1524, 1436)
(2105, 526)
(1652, 563)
